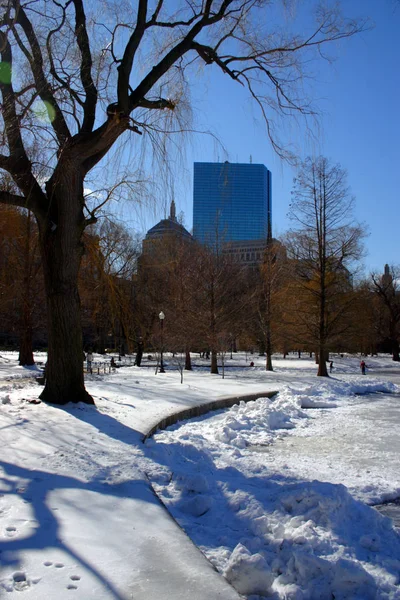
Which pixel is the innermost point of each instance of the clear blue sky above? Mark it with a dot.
(359, 97)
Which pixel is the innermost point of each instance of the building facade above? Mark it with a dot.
(232, 202)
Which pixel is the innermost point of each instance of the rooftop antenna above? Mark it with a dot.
(251, 159)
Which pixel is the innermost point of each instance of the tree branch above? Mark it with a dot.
(44, 89)
(13, 199)
(156, 104)
(9, 111)
(209, 55)
(89, 107)
(125, 67)
(179, 50)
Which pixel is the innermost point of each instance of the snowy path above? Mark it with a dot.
(78, 519)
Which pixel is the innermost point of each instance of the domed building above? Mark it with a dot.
(165, 230)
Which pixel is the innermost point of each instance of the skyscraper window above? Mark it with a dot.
(231, 202)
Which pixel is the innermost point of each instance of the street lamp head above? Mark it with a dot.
(161, 316)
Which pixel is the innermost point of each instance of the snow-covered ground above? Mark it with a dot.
(274, 492)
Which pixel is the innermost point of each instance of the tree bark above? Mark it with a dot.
(214, 363)
(62, 249)
(268, 349)
(26, 339)
(188, 361)
(322, 369)
(25, 346)
(26, 334)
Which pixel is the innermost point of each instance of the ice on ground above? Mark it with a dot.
(270, 534)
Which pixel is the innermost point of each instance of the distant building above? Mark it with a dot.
(166, 229)
(251, 253)
(232, 202)
(387, 278)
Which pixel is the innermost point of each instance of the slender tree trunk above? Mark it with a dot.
(268, 326)
(395, 350)
(213, 328)
(268, 349)
(61, 250)
(214, 363)
(322, 369)
(26, 340)
(26, 329)
(188, 360)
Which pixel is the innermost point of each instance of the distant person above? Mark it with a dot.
(252, 364)
(363, 367)
(113, 363)
(331, 366)
(139, 352)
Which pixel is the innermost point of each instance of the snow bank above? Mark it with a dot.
(268, 533)
(312, 544)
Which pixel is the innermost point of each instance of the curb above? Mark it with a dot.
(202, 409)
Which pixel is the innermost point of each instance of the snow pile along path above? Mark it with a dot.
(268, 532)
(78, 517)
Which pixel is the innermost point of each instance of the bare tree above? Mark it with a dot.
(386, 288)
(269, 314)
(324, 246)
(221, 299)
(73, 83)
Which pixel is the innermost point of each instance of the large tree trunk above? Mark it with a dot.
(61, 250)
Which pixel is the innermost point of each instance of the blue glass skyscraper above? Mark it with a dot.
(231, 202)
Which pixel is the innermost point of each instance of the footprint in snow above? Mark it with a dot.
(11, 531)
(20, 582)
(72, 586)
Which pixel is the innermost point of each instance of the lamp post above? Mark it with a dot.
(161, 316)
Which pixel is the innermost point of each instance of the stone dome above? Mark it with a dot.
(169, 226)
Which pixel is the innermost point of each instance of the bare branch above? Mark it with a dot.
(125, 67)
(209, 55)
(44, 89)
(13, 199)
(161, 103)
(86, 68)
(9, 102)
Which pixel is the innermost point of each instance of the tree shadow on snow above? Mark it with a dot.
(34, 488)
(223, 507)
